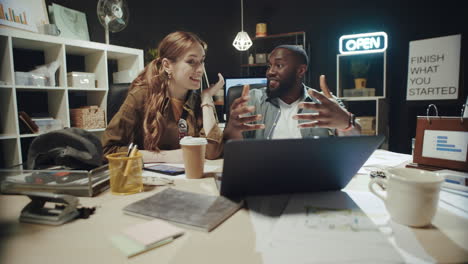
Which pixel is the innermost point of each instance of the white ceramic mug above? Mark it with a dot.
(411, 196)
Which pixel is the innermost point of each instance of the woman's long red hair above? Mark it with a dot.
(153, 76)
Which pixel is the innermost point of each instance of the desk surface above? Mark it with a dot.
(87, 240)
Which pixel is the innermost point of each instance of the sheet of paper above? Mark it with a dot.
(319, 225)
(264, 212)
(454, 202)
(382, 159)
(150, 176)
(153, 231)
(396, 233)
(449, 145)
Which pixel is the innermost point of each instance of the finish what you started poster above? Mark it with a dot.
(434, 68)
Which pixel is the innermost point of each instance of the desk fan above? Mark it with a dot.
(113, 15)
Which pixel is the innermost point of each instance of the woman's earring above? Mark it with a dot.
(169, 75)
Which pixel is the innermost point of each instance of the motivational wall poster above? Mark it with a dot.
(434, 68)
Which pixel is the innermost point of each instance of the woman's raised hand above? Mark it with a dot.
(214, 88)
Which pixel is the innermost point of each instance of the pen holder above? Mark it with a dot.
(125, 173)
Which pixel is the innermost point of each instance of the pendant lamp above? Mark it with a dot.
(242, 41)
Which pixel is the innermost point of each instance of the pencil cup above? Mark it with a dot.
(411, 195)
(125, 173)
(193, 150)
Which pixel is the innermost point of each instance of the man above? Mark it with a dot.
(286, 108)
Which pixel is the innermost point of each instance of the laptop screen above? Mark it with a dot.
(230, 82)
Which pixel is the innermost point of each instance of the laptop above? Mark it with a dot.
(264, 167)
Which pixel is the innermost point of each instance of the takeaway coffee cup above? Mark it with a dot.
(193, 149)
(411, 196)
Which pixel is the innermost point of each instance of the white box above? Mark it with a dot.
(81, 79)
(48, 124)
(22, 78)
(31, 78)
(125, 76)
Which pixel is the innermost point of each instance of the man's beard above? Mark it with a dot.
(282, 89)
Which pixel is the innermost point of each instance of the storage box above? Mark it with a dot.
(260, 58)
(125, 76)
(361, 92)
(367, 123)
(31, 78)
(48, 124)
(368, 132)
(81, 79)
(88, 117)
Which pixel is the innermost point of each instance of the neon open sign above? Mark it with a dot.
(363, 43)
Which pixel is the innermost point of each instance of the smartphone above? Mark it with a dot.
(165, 169)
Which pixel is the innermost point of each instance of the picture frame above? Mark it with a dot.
(23, 14)
(71, 23)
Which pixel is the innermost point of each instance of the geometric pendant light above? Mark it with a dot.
(242, 41)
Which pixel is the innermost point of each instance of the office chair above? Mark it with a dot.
(115, 98)
(235, 92)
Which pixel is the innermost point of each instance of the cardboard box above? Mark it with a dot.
(361, 92)
(81, 79)
(88, 117)
(367, 123)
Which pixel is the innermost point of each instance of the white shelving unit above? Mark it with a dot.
(95, 57)
(369, 105)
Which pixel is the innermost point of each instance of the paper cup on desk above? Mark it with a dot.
(125, 173)
(193, 149)
(412, 195)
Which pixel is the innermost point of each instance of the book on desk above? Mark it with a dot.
(192, 210)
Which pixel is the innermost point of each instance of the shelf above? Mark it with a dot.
(7, 136)
(22, 51)
(376, 105)
(96, 130)
(283, 35)
(87, 89)
(29, 135)
(254, 65)
(264, 45)
(39, 88)
(368, 98)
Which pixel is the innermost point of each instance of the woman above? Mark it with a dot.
(162, 104)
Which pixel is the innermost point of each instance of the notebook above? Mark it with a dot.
(192, 210)
(264, 167)
(145, 236)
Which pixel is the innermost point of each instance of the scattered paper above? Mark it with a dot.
(383, 159)
(324, 227)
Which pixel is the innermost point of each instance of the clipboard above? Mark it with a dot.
(441, 141)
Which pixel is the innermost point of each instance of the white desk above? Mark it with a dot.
(87, 240)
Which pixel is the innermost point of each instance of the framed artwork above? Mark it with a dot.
(70, 22)
(23, 14)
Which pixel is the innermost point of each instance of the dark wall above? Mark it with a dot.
(218, 21)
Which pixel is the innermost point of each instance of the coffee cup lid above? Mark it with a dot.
(193, 141)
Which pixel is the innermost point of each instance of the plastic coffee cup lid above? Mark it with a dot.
(193, 141)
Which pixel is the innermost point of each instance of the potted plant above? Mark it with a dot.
(359, 70)
(151, 54)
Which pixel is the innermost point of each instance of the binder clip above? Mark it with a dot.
(428, 109)
(35, 212)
